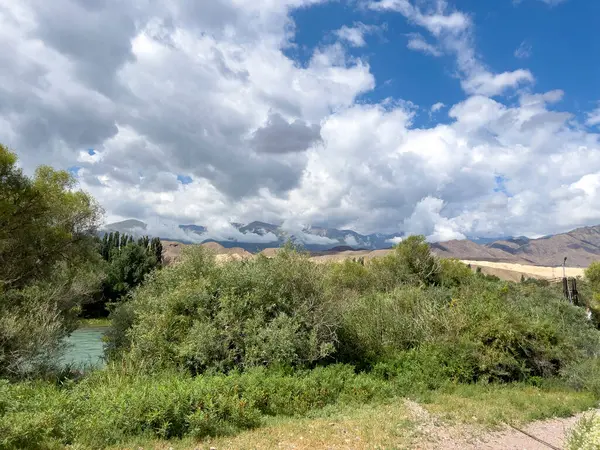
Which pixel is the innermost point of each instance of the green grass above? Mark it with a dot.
(390, 424)
(492, 405)
(92, 323)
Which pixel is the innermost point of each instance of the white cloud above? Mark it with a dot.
(486, 83)
(206, 90)
(524, 50)
(437, 107)
(454, 31)
(418, 43)
(355, 35)
(593, 117)
(395, 240)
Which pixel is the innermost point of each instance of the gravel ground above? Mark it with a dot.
(434, 434)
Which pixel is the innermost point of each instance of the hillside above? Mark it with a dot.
(580, 246)
(257, 236)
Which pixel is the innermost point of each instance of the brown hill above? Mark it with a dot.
(580, 246)
(476, 252)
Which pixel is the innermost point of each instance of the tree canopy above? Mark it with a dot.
(48, 261)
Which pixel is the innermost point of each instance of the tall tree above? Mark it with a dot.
(49, 263)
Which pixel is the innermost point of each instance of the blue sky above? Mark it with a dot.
(560, 40)
(448, 118)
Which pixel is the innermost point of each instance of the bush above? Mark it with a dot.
(112, 406)
(454, 273)
(411, 262)
(201, 316)
(348, 278)
(376, 326)
(478, 330)
(518, 331)
(583, 375)
(585, 435)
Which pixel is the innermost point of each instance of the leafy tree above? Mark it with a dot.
(592, 275)
(49, 264)
(411, 262)
(128, 269)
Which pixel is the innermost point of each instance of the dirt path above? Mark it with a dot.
(434, 434)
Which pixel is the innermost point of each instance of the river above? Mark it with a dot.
(85, 348)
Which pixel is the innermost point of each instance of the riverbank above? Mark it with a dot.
(94, 323)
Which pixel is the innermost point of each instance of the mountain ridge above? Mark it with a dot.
(580, 246)
(257, 236)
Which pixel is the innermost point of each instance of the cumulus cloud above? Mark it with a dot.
(454, 32)
(418, 43)
(437, 107)
(593, 117)
(208, 90)
(355, 35)
(279, 136)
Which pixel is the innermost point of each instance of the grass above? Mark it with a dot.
(374, 426)
(92, 323)
(492, 405)
(391, 424)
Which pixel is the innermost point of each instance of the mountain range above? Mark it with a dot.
(257, 236)
(580, 246)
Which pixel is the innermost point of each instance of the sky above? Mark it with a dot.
(448, 118)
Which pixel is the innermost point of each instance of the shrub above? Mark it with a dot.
(376, 326)
(263, 312)
(518, 331)
(454, 273)
(112, 406)
(583, 375)
(478, 330)
(411, 262)
(349, 277)
(585, 435)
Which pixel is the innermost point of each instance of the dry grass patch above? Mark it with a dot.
(493, 405)
(373, 427)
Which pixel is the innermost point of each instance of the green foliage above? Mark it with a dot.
(348, 277)
(128, 267)
(202, 316)
(43, 221)
(128, 262)
(586, 434)
(454, 273)
(48, 263)
(480, 330)
(583, 375)
(111, 406)
(411, 262)
(592, 275)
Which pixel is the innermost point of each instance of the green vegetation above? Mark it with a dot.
(127, 263)
(47, 260)
(200, 349)
(586, 434)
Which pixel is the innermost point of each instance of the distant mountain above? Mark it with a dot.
(580, 246)
(257, 236)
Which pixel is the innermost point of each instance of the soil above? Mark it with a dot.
(434, 434)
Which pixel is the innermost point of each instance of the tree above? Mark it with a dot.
(592, 275)
(156, 250)
(48, 261)
(128, 269)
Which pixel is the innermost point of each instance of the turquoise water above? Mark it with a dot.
(85, 348)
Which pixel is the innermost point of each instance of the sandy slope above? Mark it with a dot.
(531, 271)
